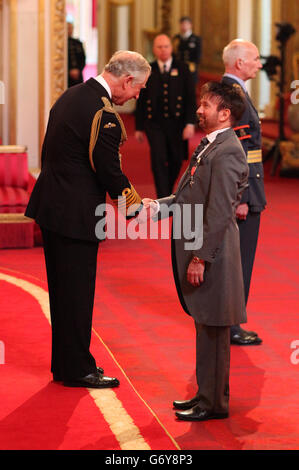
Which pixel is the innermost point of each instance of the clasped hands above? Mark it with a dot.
(149, 209)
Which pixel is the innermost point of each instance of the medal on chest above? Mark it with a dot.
(193, 170)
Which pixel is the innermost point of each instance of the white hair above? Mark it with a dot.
(128, 63)
(236, 49)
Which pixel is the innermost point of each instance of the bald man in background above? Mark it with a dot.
(242, 62)
(166, 112)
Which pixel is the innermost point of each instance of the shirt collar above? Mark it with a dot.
(212, 136)
(187, 34)
(239, 80)
(167, 63)
(103, 82)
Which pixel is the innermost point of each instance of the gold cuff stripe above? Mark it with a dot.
(129, 198)
(96, 124)
(254, 156)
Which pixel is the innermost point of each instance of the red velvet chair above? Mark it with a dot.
(16, 231)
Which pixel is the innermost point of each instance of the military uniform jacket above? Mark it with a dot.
(76, 59)
(174, 99)
(219, 181)
(188, 50)
(248, 130)
(70, 185)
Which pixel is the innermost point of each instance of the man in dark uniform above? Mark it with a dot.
(80, 164)
(187, 46)
(166, 111)
(76, 58)
(242, 62)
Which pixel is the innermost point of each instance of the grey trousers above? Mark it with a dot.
(212, 367)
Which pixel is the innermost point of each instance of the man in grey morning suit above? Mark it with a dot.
(242, 62)
(208, 277)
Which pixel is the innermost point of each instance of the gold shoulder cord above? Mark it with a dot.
(129, 200)
(96, 124)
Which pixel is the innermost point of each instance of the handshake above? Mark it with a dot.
(150, 209)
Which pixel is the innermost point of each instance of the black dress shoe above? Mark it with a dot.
(198, 414)
(185, 405)
(95, 380)
(58, 378)
(245, 338)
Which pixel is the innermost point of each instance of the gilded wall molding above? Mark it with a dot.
(13, 32)
(1, 70)
(41, 71)
(166, 14)
(58, 49)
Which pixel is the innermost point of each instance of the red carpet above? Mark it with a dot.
(138, 317)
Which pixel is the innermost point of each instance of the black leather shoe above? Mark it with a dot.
(93, 381)
(58, 378)
(185, 405)
(245, 338)
(198, 414)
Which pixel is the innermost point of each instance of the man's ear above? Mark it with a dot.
(224, 115)
(128, 80)
(238, 64)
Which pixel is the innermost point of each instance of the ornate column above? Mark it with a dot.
(58, 49)
(33, 69)
(166, 14)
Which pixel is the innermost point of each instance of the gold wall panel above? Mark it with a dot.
(290, 14)
(215, 32)
(13, 72)
(58, 49)
(41, 71)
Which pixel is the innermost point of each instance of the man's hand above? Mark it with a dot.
(242, 211)
(195, 272)
(188, 132)
(139, 135)
(74, 74)
(147, 202)
(150, 208)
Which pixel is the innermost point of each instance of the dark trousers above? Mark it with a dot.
(249, 231)
(71, 272)
(168, 151)
(212, 367)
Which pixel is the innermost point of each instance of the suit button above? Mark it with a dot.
(178, 114)
(149, 116)
(258, 175)
(165, 92)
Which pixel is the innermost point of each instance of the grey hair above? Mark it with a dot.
(236, 49)
(128, 63)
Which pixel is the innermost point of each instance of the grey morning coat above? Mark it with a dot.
(218, 183)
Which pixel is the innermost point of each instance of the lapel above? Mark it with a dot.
(251, 103)
(213, 146)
